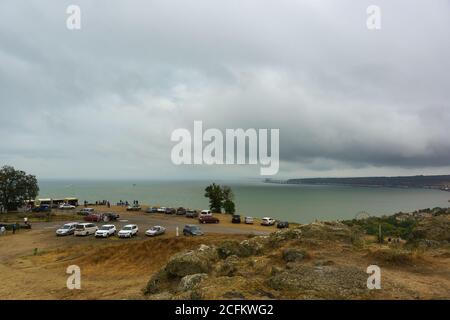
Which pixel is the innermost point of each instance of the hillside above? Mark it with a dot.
(421, 181)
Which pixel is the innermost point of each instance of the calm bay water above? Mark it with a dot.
(299, 203)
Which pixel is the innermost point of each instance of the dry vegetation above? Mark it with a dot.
(322, 260)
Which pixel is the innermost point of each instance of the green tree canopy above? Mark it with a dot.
(214, 193)
(228, 197)
(220, 197)
(15, 187)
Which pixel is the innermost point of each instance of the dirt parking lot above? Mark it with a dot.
(33, 262)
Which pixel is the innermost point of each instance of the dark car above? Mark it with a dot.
(236, 218)
(191, 214)
(192, 230)
(181, 211)
(111, 216)
(282, 224)
(170, 211)
(94, 217)
(208, 219)
(42, 208)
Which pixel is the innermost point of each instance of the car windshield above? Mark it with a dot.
(194, 228)
(127, 228)
(79, 227)
(105, 228)
(66, 226)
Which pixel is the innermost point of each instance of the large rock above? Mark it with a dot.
(192, 262)
(228, 248)
(253, 246)
(156, 282)
(191, 281)
(337, 282)
(293, 255)
(287, 234)
(327, 231)
(228, 267)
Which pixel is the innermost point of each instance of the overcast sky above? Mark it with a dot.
(101, 102)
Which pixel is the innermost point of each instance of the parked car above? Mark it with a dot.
(170, 211)
(110, 216)
(248, 220)
(42, 208)
(162, 209)
(208, 219)
(66, 206)
(282, 224)
(128, 231)
(236, 218)
(105, 231)
(192, 230)
(66, 229)
(134, 208)
(86, 211)
(94, 217)
(181, 211)
(266, 221)
(155, 231)
(191, 213)
(85, 229)
(205, 213)
(152, 210)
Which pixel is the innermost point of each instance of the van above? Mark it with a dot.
(205, 213)
(85, 229)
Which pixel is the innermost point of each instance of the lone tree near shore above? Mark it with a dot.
(220, 197)
(16, 187)
(214, 193)
(228, 203)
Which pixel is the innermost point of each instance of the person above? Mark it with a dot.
(2, 230)
(25, 220)
(109, 204)
(14, 228)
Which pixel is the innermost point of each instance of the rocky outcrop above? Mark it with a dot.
(192, 262)
(191, 281)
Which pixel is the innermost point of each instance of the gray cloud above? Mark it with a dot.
(102, 101)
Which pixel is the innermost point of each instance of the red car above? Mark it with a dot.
(208, 219)
(94, 217)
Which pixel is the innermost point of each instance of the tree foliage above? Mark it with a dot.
(15, 187)
(220, 197)
(228, 197)
(214, 193)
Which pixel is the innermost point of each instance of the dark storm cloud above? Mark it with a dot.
(346, 99)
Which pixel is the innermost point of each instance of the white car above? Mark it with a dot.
(105, 231)
(128, 231)
(85, 229)
(155, 231)
(161, 209)
(248, 220)
(205, 213)
(66, 229)
(266, 221)
(66, 206)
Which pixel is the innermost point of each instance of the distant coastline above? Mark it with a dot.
(441, 182)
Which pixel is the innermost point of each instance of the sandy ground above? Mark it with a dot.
(111, 268)
(120, 268)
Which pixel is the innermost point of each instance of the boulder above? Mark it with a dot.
(155, 283)
(189, 282)
(192, 262)
(293, 255)
(251, 247)
(228, 267)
